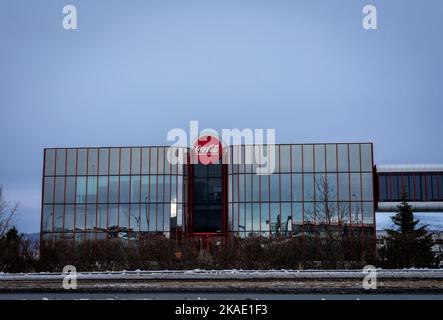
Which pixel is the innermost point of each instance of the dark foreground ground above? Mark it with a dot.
(213, 296)
(226, 284)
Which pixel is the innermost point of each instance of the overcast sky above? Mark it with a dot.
(135, 69)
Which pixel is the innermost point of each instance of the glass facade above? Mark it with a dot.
(418, 186)
(100, 193)
(314, 187)
(135, 192)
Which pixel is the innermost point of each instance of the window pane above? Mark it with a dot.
(135, 189)
(248, 158)
(417, 187)
(286, 223)
(331, 157)
(434, 185)
(297, 212)
(103, 163)
(160, 189)
(308, 187)
(113, 217)
(49, 162)
(256, 187)
(70, 189)
(394, 187)
(275, 187)
(135, 169)
(161, 160)
(296, 158)
(354, 156)
(47, 218)
(81, 162)
(134, 219)
(125, 159)
(145, 189)
(93, 162)
(248, 216)
(405, 185)
(80, 217)
(367, 186)
(124, 189)
(241, 154)
(343, 158)
(103, 189)
(61, 162)
(92, 189)
(247, 189)
(124, 219)
(152, 210)
(241, 187)
(72, 155)
(49, 189)
(366, 157)
(343, 186)
(265, 187)
(58, 218)
(144, 216)
(440, 184)
(319, 158)
(382, 185)
(285, 158)
(275, 219)
(113, 189)
(256, 218)
(69, 218)
(332, 186)
(285, 187)
(355, 187)
(81, 189)
(265, 217)
(153, 194)
(102, 217)
(91, 217)
(114, 160)
(368, 213)
(153, 161)
(59, 189)
(145, 160)
(297, 187)
(308, 158)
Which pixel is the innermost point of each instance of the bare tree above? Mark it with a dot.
(7, 212)
(329, 214)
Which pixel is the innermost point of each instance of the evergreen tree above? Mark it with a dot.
(408, 245)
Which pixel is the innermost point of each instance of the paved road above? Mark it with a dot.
(212, 296)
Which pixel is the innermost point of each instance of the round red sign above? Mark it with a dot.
(207, 150)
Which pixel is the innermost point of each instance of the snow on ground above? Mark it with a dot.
(198, 274)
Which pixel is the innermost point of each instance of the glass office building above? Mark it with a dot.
(135, 192)
(100, 193)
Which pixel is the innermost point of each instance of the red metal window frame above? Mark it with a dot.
(86, 200)
(140, 195)
(338, 192)
(53, 196)
(349, 191)
(303, 190)
(64, 193)
(43, 195)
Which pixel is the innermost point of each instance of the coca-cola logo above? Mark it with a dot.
(213, 148)
(207, 150)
